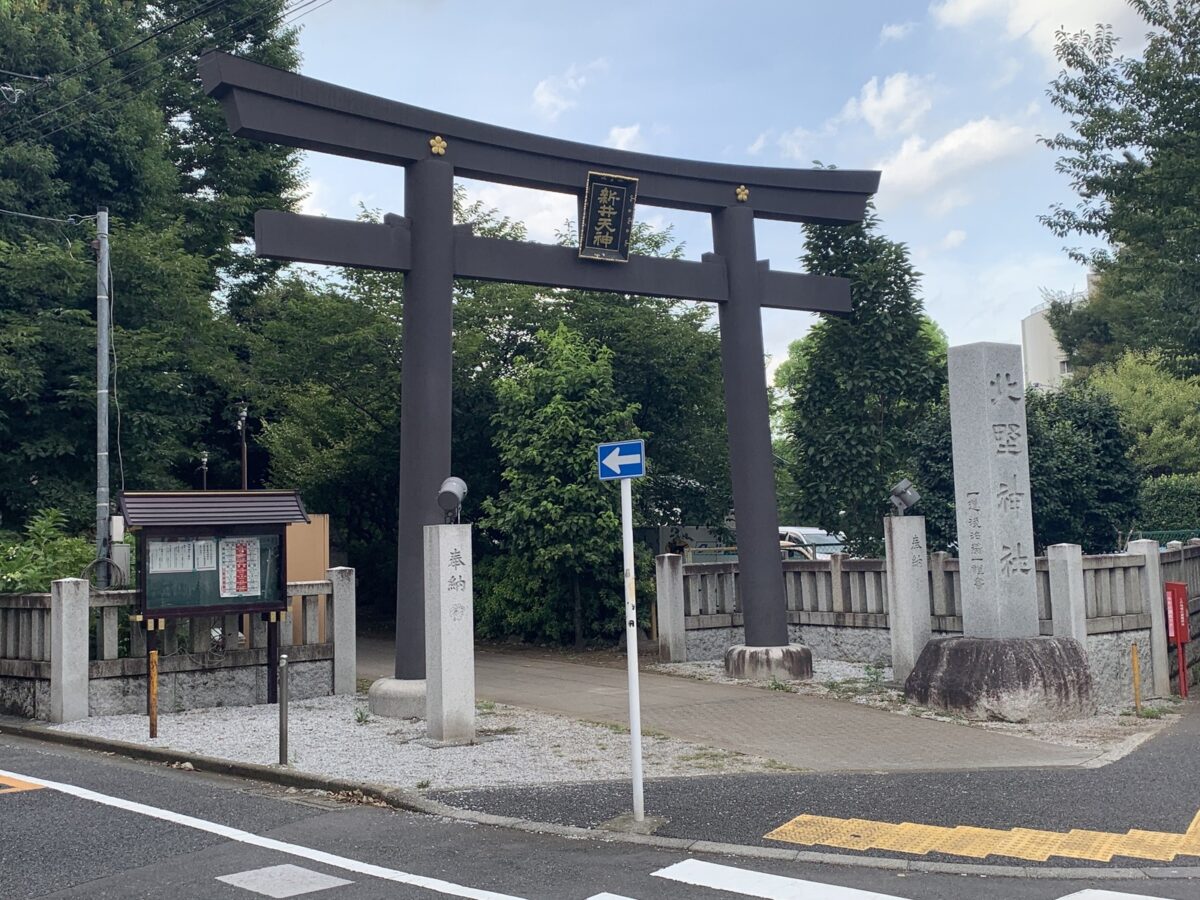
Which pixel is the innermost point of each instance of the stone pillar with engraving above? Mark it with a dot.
(991, 491)
(1000, 667)
(449, 635)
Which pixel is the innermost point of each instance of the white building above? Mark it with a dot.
(1045, 363)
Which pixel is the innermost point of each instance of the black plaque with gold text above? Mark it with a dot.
(607, 222)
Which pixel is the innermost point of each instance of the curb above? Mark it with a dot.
(407, 801)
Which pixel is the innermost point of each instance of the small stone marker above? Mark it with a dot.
(907, 591)
(449, 635)
(991, 491)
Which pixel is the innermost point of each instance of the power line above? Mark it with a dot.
(23, 75)
(112, 54)
(18, 133)
(79, 70)
(70, 220)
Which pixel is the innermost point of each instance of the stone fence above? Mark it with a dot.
(840, 608)
(75, 652)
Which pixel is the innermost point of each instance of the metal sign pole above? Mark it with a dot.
(631, 646)
(283, 709)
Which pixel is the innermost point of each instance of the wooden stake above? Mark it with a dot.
(153, 676)
(1137, 680)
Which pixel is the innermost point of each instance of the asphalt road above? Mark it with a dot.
(56, 843)
(1156, 788)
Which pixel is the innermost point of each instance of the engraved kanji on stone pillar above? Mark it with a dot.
(991, 491)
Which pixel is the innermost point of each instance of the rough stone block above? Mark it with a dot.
(397, 698)
(1029, 679)
(790, 663)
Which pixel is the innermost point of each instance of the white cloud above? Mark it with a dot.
(316, 201)
(554, 95)
(1037, 21)
(948, 200)
(1007, 74)
(624, 137)
(759, 142)
(895, 107)
(896, 32)
(796, 144)
(543, 212)
(952, 239)
(919, 167)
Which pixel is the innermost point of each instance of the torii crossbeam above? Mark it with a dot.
(282, 107)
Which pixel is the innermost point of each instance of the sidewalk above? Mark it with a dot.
(804, 732)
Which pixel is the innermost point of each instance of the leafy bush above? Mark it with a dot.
(44, 553)
(1170, 502)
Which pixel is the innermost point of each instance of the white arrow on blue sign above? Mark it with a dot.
(621, 459)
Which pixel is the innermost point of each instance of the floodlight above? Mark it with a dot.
(450, 496)
(904, 496)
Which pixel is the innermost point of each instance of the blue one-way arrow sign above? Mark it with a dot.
(621, 459)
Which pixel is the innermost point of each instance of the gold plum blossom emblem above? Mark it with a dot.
(437, 145)
(742, 193)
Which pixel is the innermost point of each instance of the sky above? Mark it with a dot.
(946, 98)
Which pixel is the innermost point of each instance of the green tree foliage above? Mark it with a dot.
(1133, 157)
(1160, 410)
(1170, 502)
(1083, 487)
(43, 553)
(854, 387)
(558, 574)
(124, 126)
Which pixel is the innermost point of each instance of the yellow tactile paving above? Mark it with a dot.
(13, 785)
(967, 840)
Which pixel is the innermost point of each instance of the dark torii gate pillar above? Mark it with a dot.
(282, 107)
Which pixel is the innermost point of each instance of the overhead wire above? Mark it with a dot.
(114, 53)
(22, 127)
(286, 16)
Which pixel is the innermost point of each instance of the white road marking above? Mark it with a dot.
(280, 882)
(760, 884)
(247, 837)
(608, 896)
(1094, 894)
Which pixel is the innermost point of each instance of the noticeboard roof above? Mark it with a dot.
(150, 508)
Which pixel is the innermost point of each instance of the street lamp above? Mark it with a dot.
(242, 413)
(204, 470)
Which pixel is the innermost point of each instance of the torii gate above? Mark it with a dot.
(282, 107)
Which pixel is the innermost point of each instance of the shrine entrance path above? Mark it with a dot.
(804, 732)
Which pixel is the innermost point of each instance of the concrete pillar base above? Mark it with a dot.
(397, 698)
(1033, 679)
(790, 663)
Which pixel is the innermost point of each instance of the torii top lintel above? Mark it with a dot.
(282, 107)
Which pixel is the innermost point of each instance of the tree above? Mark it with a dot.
(1133, 157)
(1171, 503)
(855, 386)
(111, 130)
(1083, 488)
(1161, 411)
(556, 523)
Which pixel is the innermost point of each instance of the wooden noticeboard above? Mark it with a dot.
(185, 572)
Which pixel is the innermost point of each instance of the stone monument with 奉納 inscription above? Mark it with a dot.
(1001, 668)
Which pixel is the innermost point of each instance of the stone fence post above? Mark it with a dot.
(1155, 601)
(907, 591)
(672, 628)
(1068, 602)
(69, 649)
(345, 651)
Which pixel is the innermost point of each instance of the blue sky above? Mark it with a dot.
(946, 98)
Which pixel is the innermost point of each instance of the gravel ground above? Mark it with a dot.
(330, 736)
(1115, 733)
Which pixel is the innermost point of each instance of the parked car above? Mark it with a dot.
(809, 542)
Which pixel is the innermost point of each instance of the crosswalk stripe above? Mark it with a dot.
(761, 884)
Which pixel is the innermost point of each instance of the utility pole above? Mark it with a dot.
(103, 524)
(242, 413)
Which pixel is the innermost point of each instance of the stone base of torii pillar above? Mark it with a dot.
(790, 663)
(1000, 668)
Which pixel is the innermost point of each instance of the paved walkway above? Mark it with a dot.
(801, 731)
